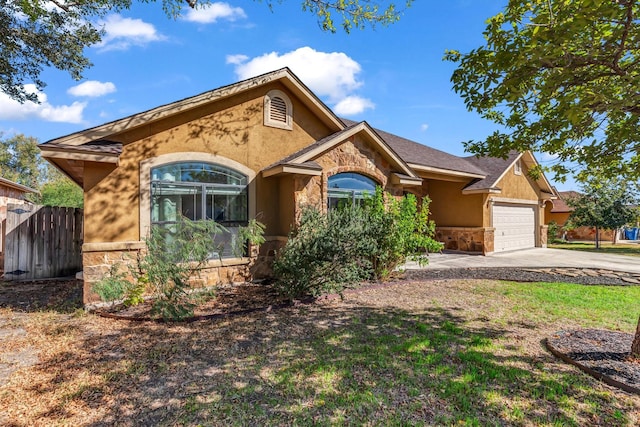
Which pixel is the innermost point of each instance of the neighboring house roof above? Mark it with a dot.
(312, 151)
(424, 158)
(16, 186)
(560, 205)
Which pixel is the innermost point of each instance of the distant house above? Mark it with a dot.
(559, 211)
(10, 193)
(266, 147)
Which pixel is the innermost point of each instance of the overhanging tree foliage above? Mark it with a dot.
(604, 204)
(37, 34)
(559, 77)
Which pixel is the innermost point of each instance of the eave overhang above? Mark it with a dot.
(405, 180)
(431, 172)
(492, 190)
(308, 168)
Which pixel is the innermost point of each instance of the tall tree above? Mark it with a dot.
(559, 77)
(36, 34)
(20, 160)
(604, 204)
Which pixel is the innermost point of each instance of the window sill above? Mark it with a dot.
(226, 262)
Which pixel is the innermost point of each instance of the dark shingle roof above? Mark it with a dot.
(419, 154)
(94, 147)
(493, 168)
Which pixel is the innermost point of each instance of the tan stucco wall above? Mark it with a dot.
(229, 128)
(520, 187)
(451, 208)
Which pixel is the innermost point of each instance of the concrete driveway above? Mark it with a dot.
(537, 257)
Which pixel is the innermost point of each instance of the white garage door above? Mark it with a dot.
(515, 227)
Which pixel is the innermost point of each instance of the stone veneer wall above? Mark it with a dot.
(466, 239)
(354, 155)
(97, 264)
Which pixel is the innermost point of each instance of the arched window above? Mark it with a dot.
(198, 190)
(349, 187)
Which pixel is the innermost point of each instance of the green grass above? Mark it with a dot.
(401, 368)
(632, 249)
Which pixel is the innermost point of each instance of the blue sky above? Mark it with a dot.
(393, 77)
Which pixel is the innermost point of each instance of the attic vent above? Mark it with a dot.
(277, 110)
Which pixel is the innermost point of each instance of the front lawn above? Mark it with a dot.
(463, 352)
(632, 249)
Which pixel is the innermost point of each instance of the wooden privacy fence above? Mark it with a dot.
(42, 242)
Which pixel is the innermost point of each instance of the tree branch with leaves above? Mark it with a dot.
(39, 34)
(562, 78)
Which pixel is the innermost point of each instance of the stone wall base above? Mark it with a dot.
(97, 264)
(466, 239)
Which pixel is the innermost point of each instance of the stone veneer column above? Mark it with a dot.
(544, 236)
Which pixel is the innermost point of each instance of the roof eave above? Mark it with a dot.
(492, 190)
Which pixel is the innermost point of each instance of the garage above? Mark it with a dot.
(515, 227)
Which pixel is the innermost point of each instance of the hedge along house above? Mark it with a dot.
(264, 148)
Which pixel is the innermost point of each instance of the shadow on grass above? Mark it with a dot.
(314, 365)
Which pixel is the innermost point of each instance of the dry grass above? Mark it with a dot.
(449, 352)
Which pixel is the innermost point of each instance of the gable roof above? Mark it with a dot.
(307, 154)
(284, 75)
(495, 169)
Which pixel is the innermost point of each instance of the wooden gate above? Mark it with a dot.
(42, 242)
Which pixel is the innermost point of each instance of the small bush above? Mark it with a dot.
(174, 255)
(330, 252)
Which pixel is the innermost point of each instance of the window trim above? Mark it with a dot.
(268, 121)
(188, 156)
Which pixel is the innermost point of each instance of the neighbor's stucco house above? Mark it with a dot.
(264, 148)
(559, 212)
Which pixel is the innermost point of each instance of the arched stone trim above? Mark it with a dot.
(186, 156)
(274, 101)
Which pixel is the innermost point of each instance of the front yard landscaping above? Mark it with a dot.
(436, 352)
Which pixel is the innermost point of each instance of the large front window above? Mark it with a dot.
(349, 187)
(197, 190)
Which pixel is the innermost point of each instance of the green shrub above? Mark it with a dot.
(174, 255)
(330, 252)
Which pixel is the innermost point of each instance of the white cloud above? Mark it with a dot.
(92, 88)
(352, 105)
(424, 127)
(332, 75)
(210, 13)
(13, 110)
(122, 33)
(236, 59)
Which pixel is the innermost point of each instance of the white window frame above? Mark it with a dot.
(268, 121)
(145, 181)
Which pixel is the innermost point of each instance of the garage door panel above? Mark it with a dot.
(514, 227)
